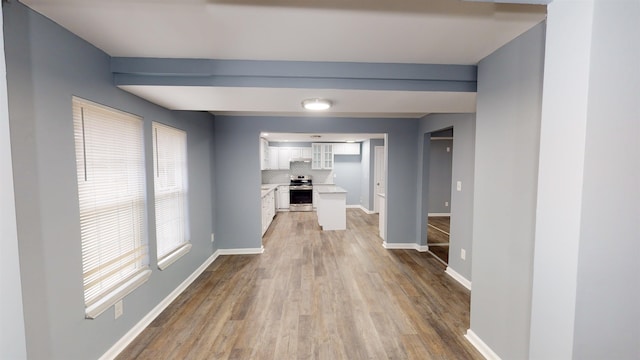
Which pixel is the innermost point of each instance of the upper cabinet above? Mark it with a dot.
(284, 158)
(346, 149)
(273, 158)
(321, 156)
(264, 154)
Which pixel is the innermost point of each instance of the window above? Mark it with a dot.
(171, 190)
(111, 193)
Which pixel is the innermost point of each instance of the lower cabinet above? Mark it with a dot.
(268, 210)
(283, 197)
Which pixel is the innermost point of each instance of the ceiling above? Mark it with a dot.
(373, 31)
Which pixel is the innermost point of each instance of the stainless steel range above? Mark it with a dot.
(301, 193)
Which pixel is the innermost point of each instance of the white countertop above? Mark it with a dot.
(266, 189)
(332, 189)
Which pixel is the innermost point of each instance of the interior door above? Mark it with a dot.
(379, 173)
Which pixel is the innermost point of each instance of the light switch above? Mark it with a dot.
(448, 149)
(459, 185)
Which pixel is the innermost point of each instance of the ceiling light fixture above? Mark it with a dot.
(316, 104)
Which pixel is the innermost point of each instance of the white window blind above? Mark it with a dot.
(111, 192)
(171, 192)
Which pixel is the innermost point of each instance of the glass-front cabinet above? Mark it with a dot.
(321, 156)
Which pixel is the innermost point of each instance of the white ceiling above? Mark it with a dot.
(382, 31)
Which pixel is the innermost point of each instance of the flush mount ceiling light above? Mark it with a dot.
(316, 104)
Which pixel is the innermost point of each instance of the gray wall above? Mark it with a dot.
(607, 315)
(12, 335)
(347, 171)
(46, 66)
(440, 176)
(464, 127)
(238, 172)
(506, 171)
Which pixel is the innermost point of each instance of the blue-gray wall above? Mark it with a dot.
(347, 171)
(238, 172)
(461, 227)
(46, 66)
(506, 173)
(440, 161)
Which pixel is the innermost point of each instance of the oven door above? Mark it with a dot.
(300, 198)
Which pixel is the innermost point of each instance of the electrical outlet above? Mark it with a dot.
(118, 309)
(459, 185)
(448, 149)
(463, 254)
(446, 204)
(212, 238)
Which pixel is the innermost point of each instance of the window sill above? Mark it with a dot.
(174, 256)
(93, 311)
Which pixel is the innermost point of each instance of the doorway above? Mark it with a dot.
(439, 193)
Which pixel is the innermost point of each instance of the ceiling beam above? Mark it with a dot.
(293, 74)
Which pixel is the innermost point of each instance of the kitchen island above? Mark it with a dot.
(332, 207)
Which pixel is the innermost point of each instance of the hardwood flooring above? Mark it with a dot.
(438, 236)
(315, 295)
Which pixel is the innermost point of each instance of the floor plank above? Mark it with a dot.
(315, 295)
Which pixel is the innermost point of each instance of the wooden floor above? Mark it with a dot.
(315, 295)
(438, 236)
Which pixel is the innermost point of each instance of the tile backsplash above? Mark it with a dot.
(297, 168)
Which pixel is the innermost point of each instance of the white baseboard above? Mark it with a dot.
(249, 251)
(422, 248)
(480, 345)
(459, 278)
(147, 319)
(361, 208)
(405, 246)
(439, 214)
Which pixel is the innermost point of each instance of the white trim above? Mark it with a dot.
(94, 310)
(361, 208)
(121, 344)
(481, 346)
(405, 246)
(439, 214)
(248, 251)
(174, 256)
(442, 138)
(459, 278)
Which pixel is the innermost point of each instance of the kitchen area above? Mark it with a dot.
(312, 172)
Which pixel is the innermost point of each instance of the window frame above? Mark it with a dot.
(170, 165)
(111, 179)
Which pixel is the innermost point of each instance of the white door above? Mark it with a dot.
(379, 177)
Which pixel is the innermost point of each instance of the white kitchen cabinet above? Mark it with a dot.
(273, 158)
(321, 156)
(268, 210)
(346, 149)
(305, 152)
(284, 158)
(296, 153)
(264, 154)
(283, 197)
